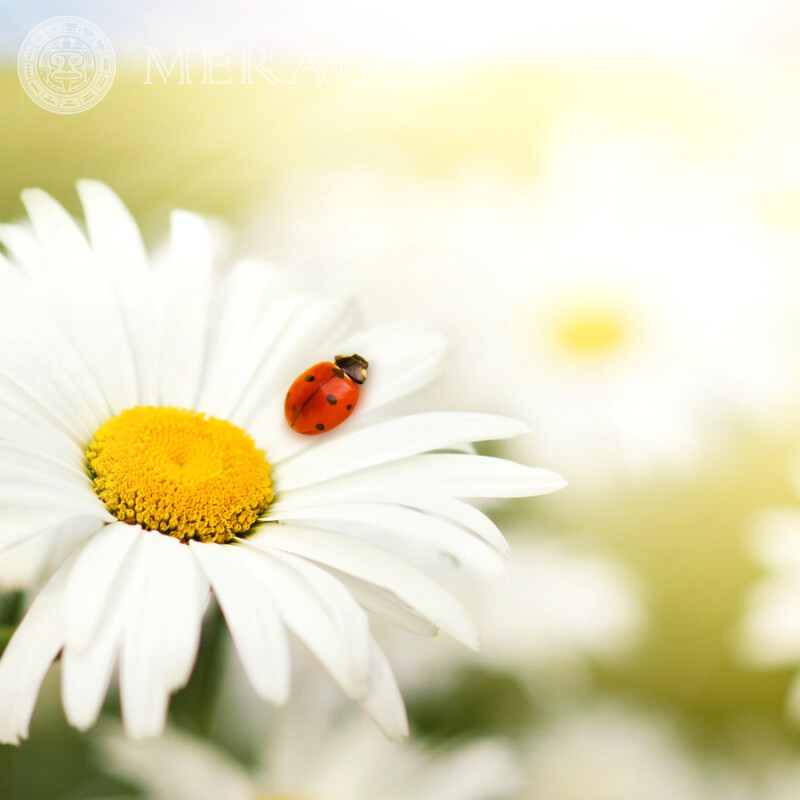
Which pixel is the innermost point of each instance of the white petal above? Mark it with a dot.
(44, 477)
(113, 232)
(115, 238)
(185, 295)
(87, 304)
(162, 636)
(43, 449)
(56, 230)
(16, 402)
(36, 557)
(86, 673)
(175, 574)
(411, 587)
(20, 459)
(43, 381)
(178, 767)
(28, 656)
(95, 575)
(384, 603)
(455, 510)
(345, 451)
(297, 584)
(10, 276)
(16, 481)
(22, 565)
(251, 312)
(51, 497)
(39, 437)
(446, 473)
(383, 700)
(19, 524)
(318, 609)
(402, 529)
(246, 600)
(24, 249)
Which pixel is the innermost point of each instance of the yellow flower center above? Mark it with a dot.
(279, 797)
(180, 472)
(590, 332)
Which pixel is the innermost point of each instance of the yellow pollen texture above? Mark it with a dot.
(179, 472)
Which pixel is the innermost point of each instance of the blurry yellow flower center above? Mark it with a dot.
(280, 797)
(179, 472)
(590, 332)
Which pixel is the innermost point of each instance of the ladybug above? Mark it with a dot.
(325, 395)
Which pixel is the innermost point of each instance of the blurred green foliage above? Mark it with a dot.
(218, 149)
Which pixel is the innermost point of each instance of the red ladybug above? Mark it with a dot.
(325, 395)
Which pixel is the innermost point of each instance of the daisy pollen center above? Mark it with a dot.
(591, 332)
(180, 472)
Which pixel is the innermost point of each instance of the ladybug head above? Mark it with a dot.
(355, 366)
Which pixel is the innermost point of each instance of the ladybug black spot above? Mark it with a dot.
(339, 373)
(319, 426)
(309, 378)
(349, 406)
(332, 399)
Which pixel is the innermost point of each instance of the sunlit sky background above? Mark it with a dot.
(715, 29)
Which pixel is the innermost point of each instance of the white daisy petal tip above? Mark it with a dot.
(34, 194)
(473, 639)
(545, 481)
(15, 738)
(91, 185)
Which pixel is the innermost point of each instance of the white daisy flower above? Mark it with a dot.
(344, 759)
(609, 752)
(612, 752)
(141, 414)
(596, 291)
(557, 611)
(769, 632)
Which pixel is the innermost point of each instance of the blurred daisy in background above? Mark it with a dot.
(141, 413)
(634, 297)
(558, 612)
(609, 752)
(769, 633)
(316, 756)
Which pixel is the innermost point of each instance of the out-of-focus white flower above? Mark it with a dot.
(557, 611)
(610, 753)
(617, 304)
(343, 759)
(143, 440)
(769, 633)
